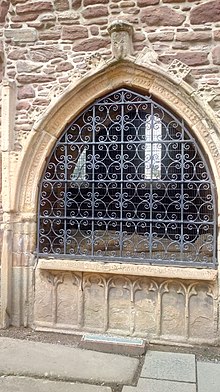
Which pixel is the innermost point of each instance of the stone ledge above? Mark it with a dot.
(128, 269)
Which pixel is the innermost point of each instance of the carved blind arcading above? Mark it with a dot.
(127, 182)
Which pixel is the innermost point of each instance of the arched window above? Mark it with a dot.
(127, 182)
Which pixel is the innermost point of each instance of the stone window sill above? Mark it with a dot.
(128, 269)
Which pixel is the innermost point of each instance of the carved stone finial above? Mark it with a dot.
(179, 70)
(147, 56)
(121, 39)
(94, 61)
(206, 92)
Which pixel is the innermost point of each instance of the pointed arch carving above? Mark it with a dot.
(177, 97)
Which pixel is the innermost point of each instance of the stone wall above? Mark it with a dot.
(46, 42)
(44, 46)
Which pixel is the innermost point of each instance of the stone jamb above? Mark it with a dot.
(8, 116)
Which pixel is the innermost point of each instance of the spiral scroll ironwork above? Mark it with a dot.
(127, 182)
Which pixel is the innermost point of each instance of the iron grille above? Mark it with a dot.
(127, 182)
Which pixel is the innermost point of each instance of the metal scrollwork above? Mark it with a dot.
(127, 182)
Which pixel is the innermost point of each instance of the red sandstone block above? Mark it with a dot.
(74, 32)
(91, 45)
(216, 55)
(161, 16)
(190, 58)
(163, 36)
(26, 92)
(76, 4)
(4, 6)
(95, 12)
(207, 12)
(49, 35)
(194, 36)
(217, 35)
(94, 2)
(144, 3)
(40, 6)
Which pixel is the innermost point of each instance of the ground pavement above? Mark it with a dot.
(41, 367)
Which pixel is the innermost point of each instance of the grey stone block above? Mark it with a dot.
(169, 366)
(26, 358)
(208, 375)
(26, 384)
(149, 385)
(21, 35)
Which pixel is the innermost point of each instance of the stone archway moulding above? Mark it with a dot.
(179, 97)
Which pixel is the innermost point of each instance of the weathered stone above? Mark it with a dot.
(76, 4)
(46, 53)
(139, 37)
(194, 36)
(216, 55)
(30, 7)
(26, 92)
(190, 58)
(144, 3)
(91, 44)
(27, 66)
(217, 35)
(4, 6)
(64, 67)
(161, 16)
(25, 17)
(61, 5)
(21, 35)
(94, 30)
(95, 12)
(207, 12)
(23, 105)
(17, 54)
(49, 35)
(35, 78)
(74, 32)
(163, 36)
(94, 2)
(173, 1)
(127, 4)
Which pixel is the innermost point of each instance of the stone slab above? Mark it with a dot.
(208, 375)
(128, 269)
(169, 366)
(26, 358)
(113, 344)
(149, 385)
(26, 384)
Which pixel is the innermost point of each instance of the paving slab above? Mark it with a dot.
(34, 359)
(208, 375)
(149, 385)
(26, 384)
(169, 366)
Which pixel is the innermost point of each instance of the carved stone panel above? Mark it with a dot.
(67, 300)
(155, 308)
(146, 307)
(119, 304)
(201, 312)
(94, 302)
(173, 318)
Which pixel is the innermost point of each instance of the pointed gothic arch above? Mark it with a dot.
(126, 181)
